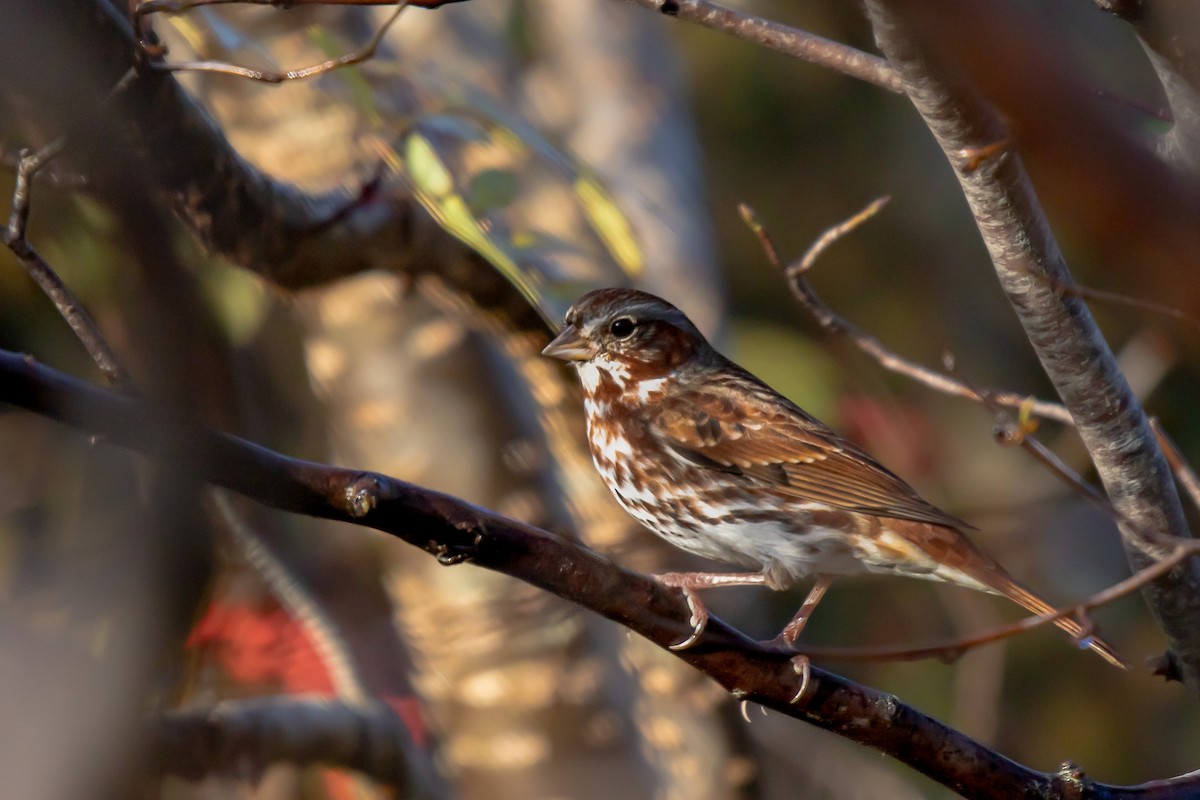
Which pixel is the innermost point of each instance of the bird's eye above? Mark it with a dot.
(622, 327)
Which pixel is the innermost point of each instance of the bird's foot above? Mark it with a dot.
(699, 619)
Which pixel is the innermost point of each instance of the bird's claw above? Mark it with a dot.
(802, 667)
(699, 619)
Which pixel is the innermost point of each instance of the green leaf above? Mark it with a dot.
(492, 189)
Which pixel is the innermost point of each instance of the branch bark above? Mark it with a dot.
(1074, 354)
(454, 532)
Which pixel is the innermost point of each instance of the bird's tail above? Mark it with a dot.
(959, 561)
(1014, 591)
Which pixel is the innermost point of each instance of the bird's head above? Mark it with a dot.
(626, 330)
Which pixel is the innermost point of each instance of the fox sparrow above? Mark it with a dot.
(719, 464)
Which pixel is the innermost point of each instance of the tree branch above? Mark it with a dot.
(357, 56)
(836, 324)
(455, 531)
(1109, 418)
(790, 41)
(290, 237)
(76, 316)
(247, 736)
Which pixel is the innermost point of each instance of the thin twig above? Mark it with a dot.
(958, 97)
(1019, 433)
(1007, 431)
(179, 6)
(833, 234)
(830, 321)
(782, 38)
(28, 164)
(1072, 289)
(56, 178)
(1179, 465)
(367, 51)
(952, 650)
(47, 279)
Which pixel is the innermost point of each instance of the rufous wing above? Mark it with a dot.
(745, 427)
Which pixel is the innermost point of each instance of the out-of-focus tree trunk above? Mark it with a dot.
(528, 695)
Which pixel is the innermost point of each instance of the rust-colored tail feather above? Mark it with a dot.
(1031, 602)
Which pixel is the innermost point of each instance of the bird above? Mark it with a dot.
(719, 464)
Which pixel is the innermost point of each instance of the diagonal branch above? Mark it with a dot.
(834, 323)
(291, 237)
(782, 38)
(455, 531)
(1074, 354)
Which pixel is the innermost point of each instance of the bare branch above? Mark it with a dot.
(256, 222)
(1183, 470)
(834, 323)
(64, 299)
(179, 6)
(245, 737)
(955, 648)
(58, 179)
(454, 532)
(790, 41)
(367, 51)
(1074, 354)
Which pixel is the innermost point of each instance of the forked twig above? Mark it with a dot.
(832, 322)
(60, 180)
(1008, 432)
(68, 305)
(1019, 433)
(367, 51)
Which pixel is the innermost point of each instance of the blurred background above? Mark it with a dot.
(580, 145)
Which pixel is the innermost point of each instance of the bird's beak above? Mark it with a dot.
(570, 346)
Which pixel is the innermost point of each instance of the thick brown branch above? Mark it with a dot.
(455, 531)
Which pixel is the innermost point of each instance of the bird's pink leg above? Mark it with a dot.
(792, 630)
(689, 582)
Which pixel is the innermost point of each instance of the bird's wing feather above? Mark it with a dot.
(770, 440)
